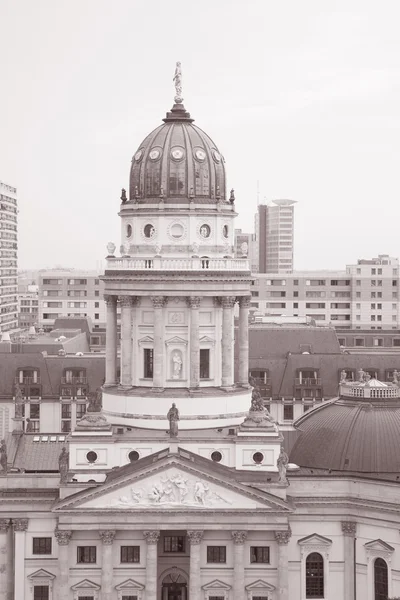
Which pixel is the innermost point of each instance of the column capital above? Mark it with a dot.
(20, 524)
(349, 528)
(151, 537)
(63, 536)
(239, 537)
(159, 301)
(193, 301)
(125, 301)
(283, 537)
(244, 301)
(5, 525)
(110, 300)
(107, 536)
(228, 301)
(195, 537)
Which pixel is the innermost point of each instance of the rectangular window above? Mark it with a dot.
(204, 363)
(97, 293)
(288, 412)
(86, 554)
(219, 598)
(128, 598)
(130, 554)
(358, 294)
(259, 554)
(35, 411)
(360, 342)
(174, 543)
(65, 411)
(96, 304)
(148, 363)
(41, 592)
(41, 545)
(97, 316)
(216, 554)
(80, 410)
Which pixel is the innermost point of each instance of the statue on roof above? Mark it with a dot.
(173, 418)
(95, 401)
(396, 377)
(63, 465)
(178, 83)
(361, 374)
(343, 376)
(282, 463)
(3, 456)
(19, 402)
(29, 426)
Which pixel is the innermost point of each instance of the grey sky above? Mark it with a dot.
(302, 95)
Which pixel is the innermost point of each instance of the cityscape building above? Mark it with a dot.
(274, 229)
(8, 257)
(246, 247)
(28, 307)
(169, 479)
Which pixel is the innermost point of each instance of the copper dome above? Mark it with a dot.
(356, 433)
(179, 163)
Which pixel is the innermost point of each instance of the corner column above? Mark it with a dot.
(134, 350)
(195, 538)
(111, 340)
(244, 305)
(239, 538)
(19, 527)
(158, 358)
(282, 538)
(126, 341)
(194, 304)
(63, 539)
(107, 537)
(349, 534)
(228, 303)
(5, 552)
(151, 538)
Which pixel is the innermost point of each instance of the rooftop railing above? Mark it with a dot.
(178, 264)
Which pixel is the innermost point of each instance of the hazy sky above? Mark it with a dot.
(302, 96)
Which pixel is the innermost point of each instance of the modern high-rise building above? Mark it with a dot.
(275, 233)
(8, 258)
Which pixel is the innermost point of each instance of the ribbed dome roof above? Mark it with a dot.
(179, 162)
(349, 434)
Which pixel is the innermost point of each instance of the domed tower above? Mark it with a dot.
(177, 284)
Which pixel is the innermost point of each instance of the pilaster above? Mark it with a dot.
(63, 539)
(195, 537)
(228, 303)
(111, 340)
(349, 533)
(107, 537)
(158, 365)
(19, 526)
(151, 538)
(126, 341)
(5, 551)
(194, 304)
(282, 538)
(239, 538)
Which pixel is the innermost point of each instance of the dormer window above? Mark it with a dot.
(28, 376)
(74, 376)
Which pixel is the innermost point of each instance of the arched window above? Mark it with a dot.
(380, 579)
(314, 576)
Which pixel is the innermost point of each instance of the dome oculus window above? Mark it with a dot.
(200, 155)
(258, 457)
(154, 154)
(177, 153)
(216, 456)
(149, 231)
(216, 156)
(91, 457)
(139, 154)
(225, 231)
(205, 231)
(177, 231)
(128, 231)
(133, 456)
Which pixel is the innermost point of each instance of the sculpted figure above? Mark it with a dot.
(257, 404)
(178, 82)
(19, 402)
(173, 418)
(123, 195)
(63, 464)
(200, 491)
(95, 401)
(3, 456)
(343, 376)
(177, 365)
(361, 374)
(282, 464)
(396, 376)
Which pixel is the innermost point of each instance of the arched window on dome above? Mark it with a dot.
(152, 183)
(314, 576)
(381, 586)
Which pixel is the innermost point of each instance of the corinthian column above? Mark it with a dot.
(107, 537)
(194, 304)
(158, 362)
(134, 357)
(195, 538)
(228, 303)
(239, 538)
(111, 340)
(349, 533)
(126, 341)
(244, 305)
(151, 538)
(19, 527)
(63, 539)
(283, 537)
(5, 552)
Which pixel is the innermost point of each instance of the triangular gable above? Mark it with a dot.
(84, 585)
(41, 574)
(260, 584)
(172, 482)
(147, 339)
(315, 539)
(206, 339)
(129, 584)
(216, 585)
(176, 340)
(378, 545)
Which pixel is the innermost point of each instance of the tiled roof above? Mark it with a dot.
(39, 452)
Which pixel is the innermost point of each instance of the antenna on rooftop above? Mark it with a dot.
(258, 192)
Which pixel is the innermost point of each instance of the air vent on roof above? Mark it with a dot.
(120, 430)
(36, 438)
(231, 432)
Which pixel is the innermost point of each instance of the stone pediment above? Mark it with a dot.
(176, 341)
(260, 584)
(216, 585)
(315, 539)
(129, 585)
(170, 484)
(378, 546)
(147, 339)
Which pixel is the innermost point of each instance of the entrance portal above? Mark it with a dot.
(174, 587)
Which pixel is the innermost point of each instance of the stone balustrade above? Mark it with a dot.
(177, 264)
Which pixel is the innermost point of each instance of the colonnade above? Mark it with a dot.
(129, 305)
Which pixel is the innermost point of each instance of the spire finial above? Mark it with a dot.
(178, 83)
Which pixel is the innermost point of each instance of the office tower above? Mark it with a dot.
(274, 231)
(8, 258)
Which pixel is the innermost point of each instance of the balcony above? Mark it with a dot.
(177, 264)
(27, 380)
(73, 380)
(308, 381)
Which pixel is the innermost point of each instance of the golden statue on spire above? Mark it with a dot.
(178, 83)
